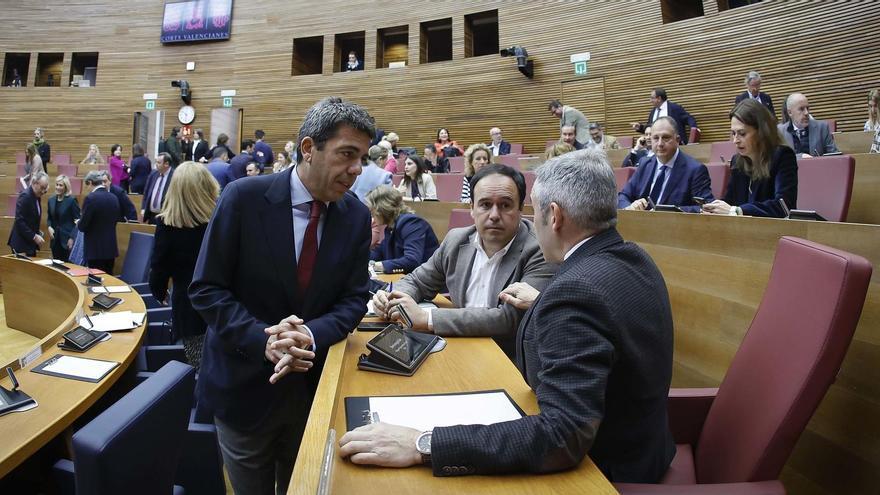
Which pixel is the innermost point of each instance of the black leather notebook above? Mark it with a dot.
(397, 351)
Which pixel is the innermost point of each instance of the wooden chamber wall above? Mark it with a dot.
(825, 49)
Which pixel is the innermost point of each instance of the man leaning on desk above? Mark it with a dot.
(476, 263)
(595, 346)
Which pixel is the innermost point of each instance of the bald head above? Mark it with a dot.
(495, 133)
(798, 109)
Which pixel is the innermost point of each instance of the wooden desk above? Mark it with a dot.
(853, 142)
(48, 295)
(467, 364)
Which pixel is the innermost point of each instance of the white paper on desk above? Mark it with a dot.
(112, 322)
(425, 412)
(81, 367)
(45, 262)
(112, 289)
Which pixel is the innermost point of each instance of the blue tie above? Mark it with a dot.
(658, 184)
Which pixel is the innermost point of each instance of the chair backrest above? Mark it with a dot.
(516, 149)
(456, 164)
(825, 184)
(11, 202)
(719, 174)
(622, 175)
(529, 176)
(134, 445)
(722, 151)
(832, 124)
(448, 186)
(61, 158)
(76, 186)
(510, 160)
(459, 217)
(396, 178)
(785, 364)
(68, 170)
(694, 136)
(20, 157)
(625, 142)
(136, 267)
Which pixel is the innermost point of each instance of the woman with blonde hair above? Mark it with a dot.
(180, 227)
(281, 163)
(476, 157)
(409, 240)
(93, 157)
(32, 164)
(61, 220)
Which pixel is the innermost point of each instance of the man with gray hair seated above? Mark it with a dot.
(753, 91)
(596, 348)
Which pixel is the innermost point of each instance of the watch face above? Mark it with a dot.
(423, 443)
(186, 114)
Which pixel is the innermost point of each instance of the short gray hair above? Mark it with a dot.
(94, 177)
(38, 176)
(752, 75)
(324, 118)
(581, 183)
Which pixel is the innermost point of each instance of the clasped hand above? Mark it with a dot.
(287, 346)
(387, 306)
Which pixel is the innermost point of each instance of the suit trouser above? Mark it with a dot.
(260, 461)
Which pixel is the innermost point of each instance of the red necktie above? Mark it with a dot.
(309, 248)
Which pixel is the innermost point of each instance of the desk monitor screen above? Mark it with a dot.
(399, 345)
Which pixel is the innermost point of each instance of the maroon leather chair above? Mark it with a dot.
(721, 152)
(396, 179)
(61, 159)
(694, 136)
(622, 175)
(832, 124)
(736, 438)
(510, 160)
(719, 174)
(11, 203)
(625, 142)
(456, 164)
(448, 186)
(825, 185)
(20, 157)
(459, 217)
(68, 170)
(516, 149)
(529, 176)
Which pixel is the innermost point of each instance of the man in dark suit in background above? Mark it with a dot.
(669, 177)
(272, 316)
(665, 108)
(498, 145)
(127, 211)
(199, 146)
(157, 186)
(238, 165)
(753, 91)
(173, 148)
(25, 236)
(262, 151)
(595, 346)
(807, 136)
(100, 212)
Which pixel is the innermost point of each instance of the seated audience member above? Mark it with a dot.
(262, 151)
(558, 149)
(238, 165)
(763, 170)
(393, 138)
(498, 146)
(32, 164)
(476, 157)
(25, 236)
(599, 140)
(372, 174)
(100, 212)
(665, 108)
(873, 122)
(156, 188)
(570, 116)
(434, 162)
(753, 91)
(641, 148)
(118, 168)
(390, 162)
(670, 177)
(139, 170)
(180, 228)
(290, 148)
(281, 163)
(43, 148)
(417, 183)
(127, 211)
(875, 144)
(476, 263)
(61, 220)
(445, 146)
(409, 240)
(352, 64)
(807, 136)
(199, 147)
(218, 167)
(252, 170)
(93, 157)
(222, 144)
(567, 136)
(596, 348)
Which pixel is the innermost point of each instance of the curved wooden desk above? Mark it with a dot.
(45, 302)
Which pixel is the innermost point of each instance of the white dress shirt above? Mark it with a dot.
(661, 111)
(665, 179)
(575, 248)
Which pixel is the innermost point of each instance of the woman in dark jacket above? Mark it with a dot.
(63, 212)
(180, 227)
(222, 143)
(409, 240)
(139, 170)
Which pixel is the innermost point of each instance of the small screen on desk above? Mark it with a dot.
(396, 343)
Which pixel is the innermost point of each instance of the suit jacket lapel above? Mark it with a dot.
(648, 175)
(464, 263)
(277, 221)
(675, 176)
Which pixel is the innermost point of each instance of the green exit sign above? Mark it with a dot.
(227, 102)
(151, 104)
(580, 68)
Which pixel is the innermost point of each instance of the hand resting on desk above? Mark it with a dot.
(381, 444)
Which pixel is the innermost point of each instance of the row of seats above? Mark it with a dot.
(57, 158)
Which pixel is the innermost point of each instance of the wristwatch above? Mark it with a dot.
(423, 445)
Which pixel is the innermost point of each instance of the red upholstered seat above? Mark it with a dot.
(396, 178)
(625, 142)
(825, 185)
(722, 152)
(832, 124)
(456, 164)
(20, 157)
(68, 170)
(530, 181)
(460, 217)
(510, 160)
(719, 174)
(622, 175)
(694, 136)
(76, 185)
(10, 204)
(61, 159)
(448, 186)
(742, 435)
(516, 149)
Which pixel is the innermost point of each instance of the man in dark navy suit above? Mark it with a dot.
(498, 145)
(25, 236)
(595, 345)
(127, 211)
(665, 108)
(273, 314)
(753, 91)
(100, 212)
(669, 177)
(156, 188)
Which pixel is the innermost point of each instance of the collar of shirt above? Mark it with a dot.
(574, 248)
(664, 108)
(299, 195)
(671, 161)
(478, 245)
(483, 270)
(100, 187)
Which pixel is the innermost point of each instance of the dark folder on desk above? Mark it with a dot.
(14, 400)
(397, 351)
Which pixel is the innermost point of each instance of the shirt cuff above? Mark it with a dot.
(431, 319)
(314, 347)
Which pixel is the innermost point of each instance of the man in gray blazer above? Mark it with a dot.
(476, 263)
(573, 117)
(807, 136)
